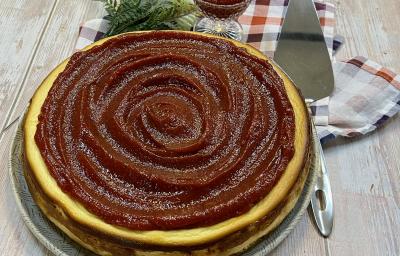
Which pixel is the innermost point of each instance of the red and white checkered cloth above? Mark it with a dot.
(365, 95)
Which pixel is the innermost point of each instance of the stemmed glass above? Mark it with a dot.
(220, 17)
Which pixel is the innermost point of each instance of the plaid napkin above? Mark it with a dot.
(365, 95)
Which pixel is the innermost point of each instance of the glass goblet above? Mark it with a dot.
(220, 17)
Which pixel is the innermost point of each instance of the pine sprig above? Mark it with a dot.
(110, 6)
(135, 15)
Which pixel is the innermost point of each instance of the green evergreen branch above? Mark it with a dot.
(135, 15)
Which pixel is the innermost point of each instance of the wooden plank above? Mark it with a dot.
(57, 43)
(19, 42)
(366, 214)
(304, 240)
(365, 171)
(15, 238)
(371, 29)
(18, 46)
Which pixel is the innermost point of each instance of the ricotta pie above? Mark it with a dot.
(166, 143)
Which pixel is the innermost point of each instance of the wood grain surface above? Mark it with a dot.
(364, 172)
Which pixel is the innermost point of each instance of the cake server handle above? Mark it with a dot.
(321, 199)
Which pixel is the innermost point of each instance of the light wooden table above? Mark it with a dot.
(365, 172)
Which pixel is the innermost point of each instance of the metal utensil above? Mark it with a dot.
(302, 54)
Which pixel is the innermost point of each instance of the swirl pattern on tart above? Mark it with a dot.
(154, 132)
(186, 135)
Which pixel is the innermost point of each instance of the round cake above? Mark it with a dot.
(166, 143)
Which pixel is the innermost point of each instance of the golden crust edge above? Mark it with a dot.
(233, 244)
(185, 237)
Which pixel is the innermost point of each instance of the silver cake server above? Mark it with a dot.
(302, 53)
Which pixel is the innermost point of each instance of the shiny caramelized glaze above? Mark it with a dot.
(163, 130)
